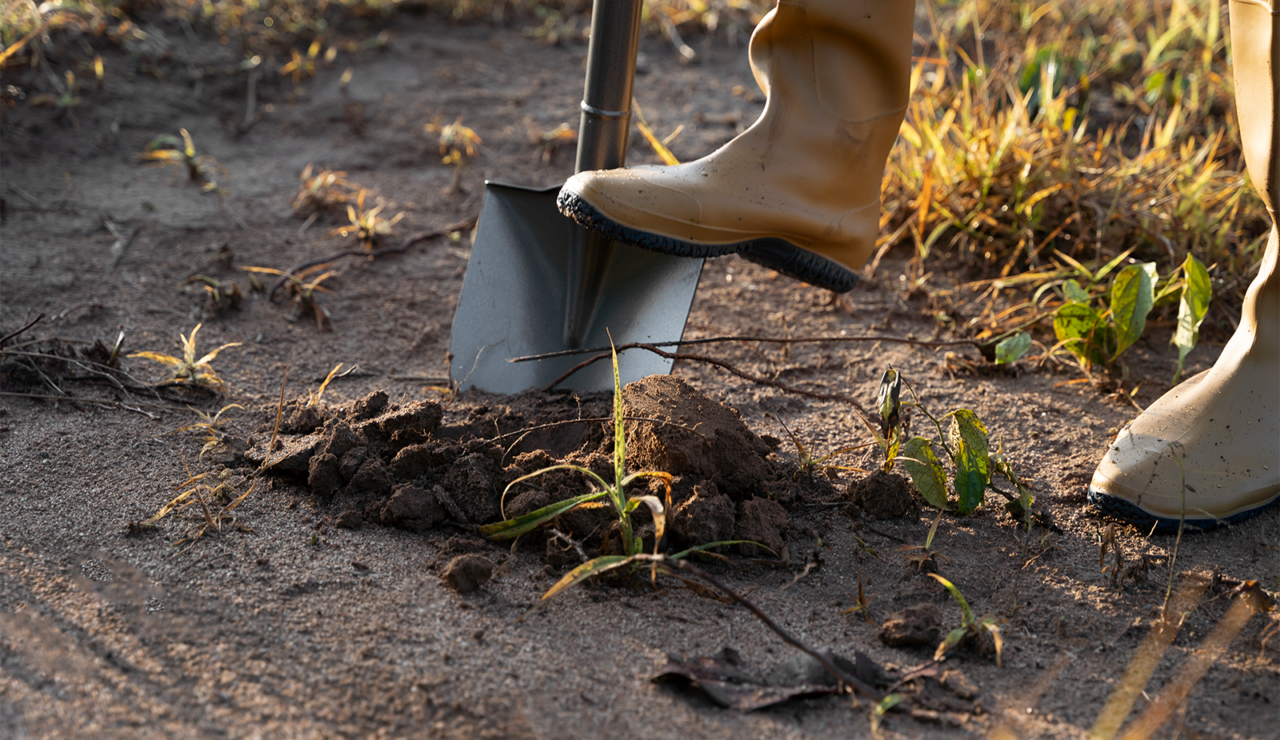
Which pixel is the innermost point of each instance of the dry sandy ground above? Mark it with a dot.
(300, 628)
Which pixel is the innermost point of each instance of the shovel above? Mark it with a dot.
(538, 283)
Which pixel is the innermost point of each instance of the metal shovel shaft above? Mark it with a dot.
(602, 145)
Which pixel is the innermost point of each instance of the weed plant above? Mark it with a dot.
(965, 444)
(971, 628)
(367, 226)
(624, 506)
(180, 154)
(187, 369)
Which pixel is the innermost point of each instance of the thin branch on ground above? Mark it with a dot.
(851, 681)
(718, 363)
(11, 335)
(413, 239)
(750, 338)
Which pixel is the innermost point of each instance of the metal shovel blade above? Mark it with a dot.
(515, 296)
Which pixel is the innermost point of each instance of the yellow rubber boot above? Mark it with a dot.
(1222, 425)
(799, 191)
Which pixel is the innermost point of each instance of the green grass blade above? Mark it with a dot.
(591, 568)
(964, 605)
(502, 503)
(509, 528)
(719, 543)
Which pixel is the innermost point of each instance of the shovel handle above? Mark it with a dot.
(611, 73)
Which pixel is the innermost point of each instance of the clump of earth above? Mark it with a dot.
(413, 467)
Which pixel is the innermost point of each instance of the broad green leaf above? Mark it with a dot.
(971, 455)
(595, 567)
(1083, 332)
(925, 471)
(1191, 309)
(509, 528)
(1074, 293)
(1132, 296)
(1012, 348)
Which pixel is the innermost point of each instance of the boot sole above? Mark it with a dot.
(771, 252)
(1145, 520)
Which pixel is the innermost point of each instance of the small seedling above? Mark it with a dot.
(808, 463)
(623, 504)
(457, 143)
(924, 555)
(861, 602)
(65, 100)
(210, 424)
(367, 226)
(302, 66)
(965, 444)
(325, 191)
(970, 628)
(313, 399)
(180, 154)
(303, 292)
(223, 295)
(195, 491)
(188, 370)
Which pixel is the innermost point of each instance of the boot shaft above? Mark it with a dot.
(862, 45)
(1255, 56)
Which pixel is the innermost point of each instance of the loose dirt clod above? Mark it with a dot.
(764, 521)
(915, 626)
(466, 573)
(882, 495)
(705, 516)
(349, 519)
(703, 439)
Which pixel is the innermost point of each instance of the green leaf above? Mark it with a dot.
(967, 613)
(595, 567)
(1083, 332)
(925, 471)
(1074, 293)
(971, 456)
(1132, 296)
(1191, 309)
(1012, 348)
(1107, 268)
(509, 528)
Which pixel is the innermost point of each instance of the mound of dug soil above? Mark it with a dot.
(406, 466)
(674, 428)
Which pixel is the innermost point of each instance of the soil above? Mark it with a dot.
(350, 594)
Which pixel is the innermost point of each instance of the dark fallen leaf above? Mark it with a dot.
(726, 680)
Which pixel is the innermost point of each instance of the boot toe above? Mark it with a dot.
(1181, 461)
